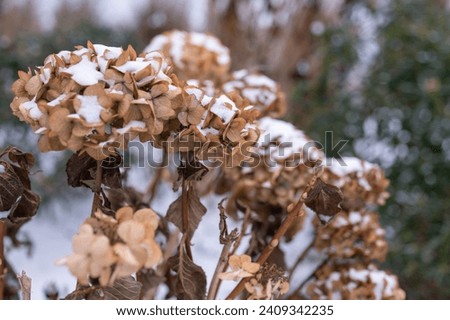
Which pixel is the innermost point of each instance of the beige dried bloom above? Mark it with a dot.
(93, 256)
(194, 55)
(360, 181)
(355, 234)
(138, 247)
(241, 267)
(107, 248)
(353, 281)
(261, 91)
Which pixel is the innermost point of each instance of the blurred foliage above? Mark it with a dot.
(399, 116)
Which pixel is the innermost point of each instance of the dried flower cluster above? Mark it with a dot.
(107, 248)
(355, 234)
(278, 172)
(89, 98)
(354, 281)
(361, 182)
(97, 98)
(203, 61)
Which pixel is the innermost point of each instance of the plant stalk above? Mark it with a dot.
(185, 216)
(221, 265)
(97, 187)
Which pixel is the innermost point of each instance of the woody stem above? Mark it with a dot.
(97, 187)
(185, 215)
(221, 265)
(293, 214)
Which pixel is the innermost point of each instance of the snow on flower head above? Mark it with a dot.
(81, 100)
(194, 55)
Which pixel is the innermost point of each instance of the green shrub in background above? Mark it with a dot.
(400, 118)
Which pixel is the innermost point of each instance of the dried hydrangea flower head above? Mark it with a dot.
(355, 234)
(261, 91)
(107, 248)
(353, 282)
(279, 170)
(360, 181)
(217, 127)
(194, 55)
(89, 98)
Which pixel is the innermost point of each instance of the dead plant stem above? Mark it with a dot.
(221, 265)
(97, 187)
(185, 216)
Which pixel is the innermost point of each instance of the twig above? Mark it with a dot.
(2, 259)
(97, 187)
(293, 214)
(221, 265)
(25, 285)
(185, 216)
(245, 222)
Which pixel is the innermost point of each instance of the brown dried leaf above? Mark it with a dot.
(196, 211)
(11, 187)
(24, 159)
(324, 199)
(190, 280)
(24, 209)
(81, 170)
(125, 197)
(126, 288)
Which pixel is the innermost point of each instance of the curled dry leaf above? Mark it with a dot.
(196, 212)
(81, 170)
(324, 199)
(190, 280)
(16, 195)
